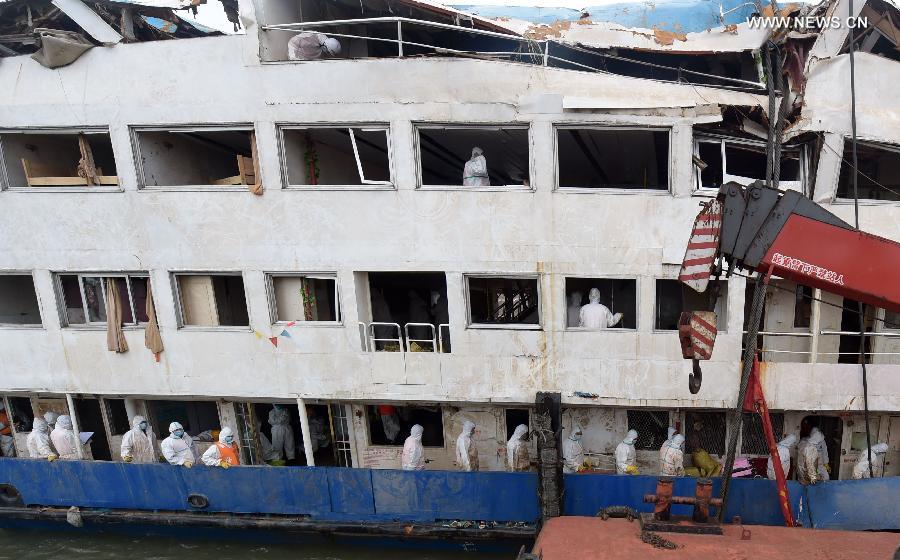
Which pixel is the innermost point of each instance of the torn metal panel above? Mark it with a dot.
(88, 19)
(59, 48)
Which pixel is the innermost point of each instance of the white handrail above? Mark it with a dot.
(399, 339)
(432, 340)
(441, 336)
(364, 334)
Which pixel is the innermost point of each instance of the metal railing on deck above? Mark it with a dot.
(816, 352)
(376, 339)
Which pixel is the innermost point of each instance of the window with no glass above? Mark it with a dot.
(117, 414)
(58, 159)
(84, 297)
(616, 295)
(336, 156)
(473, 157)
(18, 300)
(503, 300)
(195, 416)
(190, 157)
(652, 427)
(212, 300)
(722, 160)
(673, 297)
(613, 158)
(390, 425)
(311, 298)
(879, 172)
(705, 430)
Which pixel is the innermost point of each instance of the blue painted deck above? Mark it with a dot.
(366, 495)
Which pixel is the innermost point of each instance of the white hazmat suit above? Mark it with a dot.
(466, 450)
(823, 453)
(517, 458)
(626, 457)
(784, 455)
(65, 441)
(265, 446)
(475, 173)
(809, 461)
(310, 45)
(413, 457)
(282, 433)
(573, 451)
(673, 459)
(139, 445)
(38, 441)
(662, 449)
(178, 449)
(861, 468)
(595, 315)
(212, 457)
(50, 418)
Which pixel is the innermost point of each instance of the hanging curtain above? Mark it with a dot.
(152, 339)
(115, 337)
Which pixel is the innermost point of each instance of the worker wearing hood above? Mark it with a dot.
(517, 458)
(662, 450)
(50, 418)
(282, 432)
(178, 448)
(413, 458)
(573, 451)
(626, 457)
(784, 455)
(861, 468)
(822, 448)
(466, 450)
(673, 459)
(139, 443)
(809, 461)
(38, 442)
(65, 441)
(224, 453)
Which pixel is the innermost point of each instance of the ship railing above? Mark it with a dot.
(531, 51)
(374, 339)
(379, 336)
(815, 354)
(420, 341)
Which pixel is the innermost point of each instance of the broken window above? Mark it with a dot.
(304, 298)
(196, 156)
(195, 416)
(784, 328)
(117, 415)
(409, 312)
(880, 34)
(705, 430)
(50, 159)
(22, 414)
(652, 427)
(672, 297)
(212, 300)
(384, 421)
(753, 437)
(891, 320)
(336, 156)
(723, 160)
(473, 156)
(499, 300)
(84, 297)
(613, 158)
(18, 300)
(619, 296)
(879, 172)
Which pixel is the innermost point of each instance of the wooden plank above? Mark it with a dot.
(236, 180)
(56, 181)
(107, 179)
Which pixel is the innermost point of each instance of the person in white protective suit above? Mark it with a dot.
(784, 455)
(224, 453)
(265, 446)
(466, 450)
(282, 432)
(475, 173)
(673, 459)
(65, 441)
(809, 461)
(595, 315)
(825, 466)
(573, 311)
(517, 457)
(861, 468)
(50, 418)
(626, 457)
(38, 442)
(662, 449)
(413, 457)
(573, 451)
(310, 45)
(178, 448)
(139, 443)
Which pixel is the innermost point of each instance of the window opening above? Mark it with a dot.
(18, 300)
(832, 428)
(117, 415)
(613, 158)
(196, 416)
(387, 420)
(474, 156)
(672, 298)
(84, 298)
(408, 308)
(652, 427)
(753, 436)
(705, 430)
(48, 160)
(879, 172)
(22, 414)
(184, 157)
(514, 418)
(90, 420)
(723, 160)
(305, 298)
(618, 296)
(496, 300)
(212, 300)
(327, 156)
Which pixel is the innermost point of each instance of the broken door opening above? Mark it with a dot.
(212, 300)
(90, 420)
(190, 157)
(336, 156)
(409, 312)
(612, 158)
(473, 156)
(58, 159)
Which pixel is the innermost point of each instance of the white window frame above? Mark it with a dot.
(273, 302)
(565, 298)
(420, 182)
(137, 130)
(364, 184)
(699, 189)
(504, 326)
(88, 324)
(179, 305)
(837, 176)
(28, 326)
(724, 296)
(559, 126)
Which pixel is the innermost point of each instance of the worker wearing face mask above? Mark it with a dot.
(809, 461)
(662, 450)
(626, 457)
(178, 448)
(784, 456)
(573, 451)
(38, 442)
(64, 439)
(413, 457)
(466, 451)
(223, 453)
(861, 468)
(50, 418)
(517, 456)
(139, 443)
(673, 459)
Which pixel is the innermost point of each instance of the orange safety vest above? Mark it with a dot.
(6, 431)
(228, 453)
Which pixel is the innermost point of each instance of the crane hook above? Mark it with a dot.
(696, 378)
